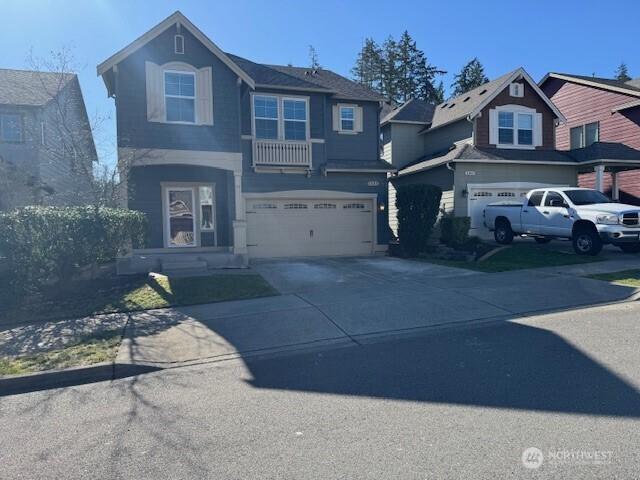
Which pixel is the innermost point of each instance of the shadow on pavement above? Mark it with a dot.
(507, 365)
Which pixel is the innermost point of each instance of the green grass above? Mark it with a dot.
(126, 294)
(629, 278)
(516, 257)
(87, 351)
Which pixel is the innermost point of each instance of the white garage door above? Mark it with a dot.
(480, 197)
(309, 227)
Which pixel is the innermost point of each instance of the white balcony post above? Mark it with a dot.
(281, 153)
(599, 169)
(615, 187)
(240, 222)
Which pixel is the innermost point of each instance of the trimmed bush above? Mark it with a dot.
(454, 230)
(44, 244)
(417, 212)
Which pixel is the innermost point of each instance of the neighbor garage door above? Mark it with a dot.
(480, 197)
(309, 227)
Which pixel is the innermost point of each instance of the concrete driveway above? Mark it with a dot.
(335, 301)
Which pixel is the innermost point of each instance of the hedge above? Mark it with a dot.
(418, 207)
(454, 231)
(44, 244)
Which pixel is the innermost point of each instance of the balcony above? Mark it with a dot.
(279, 153)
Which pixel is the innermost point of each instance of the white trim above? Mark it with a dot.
(175, 18)
(515, 110)
(175, 44)
(359, 170)
(353, 108)
(521, 162)
(149, 156)
(516, 74)
(316, 140)
(625, 106)
(522, 185)
(193, 98)
(280, 99)
(593, 84)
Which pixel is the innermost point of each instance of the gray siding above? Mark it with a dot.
(406, 144)
(495, 173)
(441, 139)
(133, 128)
(146, 196)
(362, 146)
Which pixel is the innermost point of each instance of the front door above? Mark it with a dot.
(180, 217)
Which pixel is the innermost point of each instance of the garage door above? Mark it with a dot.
(480, 197)
(309, 227)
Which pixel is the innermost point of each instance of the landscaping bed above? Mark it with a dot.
(630, 278)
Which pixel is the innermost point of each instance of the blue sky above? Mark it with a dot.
(582, 37)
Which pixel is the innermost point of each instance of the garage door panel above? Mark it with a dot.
(309, 227)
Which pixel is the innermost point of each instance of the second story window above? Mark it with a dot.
(180, 96)
(525, 129)
(265, 110)
(295, 119)
(584, 135)
(505, 128)
(347, 118)
(10, 127)
(515, 128)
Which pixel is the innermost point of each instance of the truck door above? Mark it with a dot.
(531, 215)
(557, 219)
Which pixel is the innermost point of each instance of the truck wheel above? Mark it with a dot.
(542, 240)
(586, 241)
(503, 233)
(630, 247)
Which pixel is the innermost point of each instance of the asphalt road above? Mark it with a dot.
(461, 403)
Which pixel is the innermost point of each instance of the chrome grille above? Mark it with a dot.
(630, 219)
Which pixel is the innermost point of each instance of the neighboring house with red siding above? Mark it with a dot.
(598, 110)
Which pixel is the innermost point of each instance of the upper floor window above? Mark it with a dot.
(295, 119)
(180, 96)
(10, 127)
(266, 116)
(515, 127)
(584, 135)
(280, 118)
(347, 117)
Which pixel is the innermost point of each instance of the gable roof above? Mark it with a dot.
(323, 80)
(253, 74)
(179, 18)
(470, 104)
(31, 88)
(411, 111)
(631, 87)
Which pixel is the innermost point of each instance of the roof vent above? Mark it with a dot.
(483, 92)
(452, 105)
(466, 99)
(444, 105)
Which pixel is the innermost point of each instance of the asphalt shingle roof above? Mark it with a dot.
(414, 110)
(605, 151)
(632, 85)
(30, 88)
(301, 77)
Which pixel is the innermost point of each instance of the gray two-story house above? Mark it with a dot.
(231, 159)
(46, 144)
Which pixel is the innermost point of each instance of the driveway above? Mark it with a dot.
(349, 301)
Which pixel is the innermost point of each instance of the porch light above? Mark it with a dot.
(381, 206)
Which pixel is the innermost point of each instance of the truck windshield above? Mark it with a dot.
(586, 197)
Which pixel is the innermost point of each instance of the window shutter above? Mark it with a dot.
(538, 134)
(493, 127)
(336, 118)
(155, 95)
(358, 119)
(204, 99)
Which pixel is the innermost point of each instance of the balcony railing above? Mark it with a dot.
(281, 153)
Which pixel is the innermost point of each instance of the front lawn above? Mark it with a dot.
(630, 278)
(516, 257)
(126, 294)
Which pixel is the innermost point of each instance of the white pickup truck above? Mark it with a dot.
(587, 217)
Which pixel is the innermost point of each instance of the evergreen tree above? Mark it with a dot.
(368, 68)
(389, 67)
(438, 94)
(313, 58)
(471, 76)
(622, 73)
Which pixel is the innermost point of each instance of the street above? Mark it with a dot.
(454, 403)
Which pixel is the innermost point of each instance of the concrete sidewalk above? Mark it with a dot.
(328, 302)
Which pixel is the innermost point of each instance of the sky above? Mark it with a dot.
(574, 36)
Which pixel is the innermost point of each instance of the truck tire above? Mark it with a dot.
(542, 240)
(586, 241)
(630, 247)
(503, 233)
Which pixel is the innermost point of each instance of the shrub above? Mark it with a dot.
(417, 212)
(454, 231)
(49, 243)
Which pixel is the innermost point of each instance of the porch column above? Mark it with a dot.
(240, 222)
(599, 169)
(615, 189)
